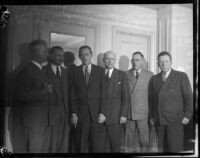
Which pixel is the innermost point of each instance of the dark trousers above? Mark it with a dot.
(114, 134)
(174, 134)
(59, 134)
(37, 139)
(89, 136)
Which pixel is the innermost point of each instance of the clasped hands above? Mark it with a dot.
(101, 119)
(74, 119)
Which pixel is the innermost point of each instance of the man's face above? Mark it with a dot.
(164, 63)
(41, 52)
(85, 56)
(57, 57)
(137, 61)
(109, 60)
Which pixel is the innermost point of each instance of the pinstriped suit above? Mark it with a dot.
(138, 112)
(170, 101)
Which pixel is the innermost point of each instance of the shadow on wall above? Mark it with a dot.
(123, 63)
(100, 60)
(15, 115)
(145, 65)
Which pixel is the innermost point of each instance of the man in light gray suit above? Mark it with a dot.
(137, 123)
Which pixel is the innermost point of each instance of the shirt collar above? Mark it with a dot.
(89, 67)
(37, 64)
(167, 73)
(110, 71)
(54, 67)
(134, 71)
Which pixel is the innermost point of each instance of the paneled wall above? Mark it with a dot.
(169, 28)
(97, 22)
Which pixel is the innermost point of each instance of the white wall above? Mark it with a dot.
(182, 39)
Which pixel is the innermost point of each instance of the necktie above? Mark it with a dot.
(57, 72)
(137, 75)
(87, 74)
(164, 76)
(107, 77)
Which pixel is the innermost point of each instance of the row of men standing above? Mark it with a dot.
(96, 103)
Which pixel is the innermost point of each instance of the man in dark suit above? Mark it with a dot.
(171, 103)
(137, 129)
(88, 103)
(58, 101)
(33, 91)
(118, 101)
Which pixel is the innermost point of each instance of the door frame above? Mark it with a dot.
(151, 39)
(42, 31)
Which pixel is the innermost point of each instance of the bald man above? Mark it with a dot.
(118, 101)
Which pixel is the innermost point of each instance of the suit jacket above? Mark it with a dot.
(92, 97)
(118, 97)
(139, 94)
(55, 104)
(171, 100)
(35, 105)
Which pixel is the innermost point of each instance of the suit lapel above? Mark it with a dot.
(169, 79)
(132, 80)
(92, 75)
(64, 78)
(113, 79)
(81, 75)
(51, 75)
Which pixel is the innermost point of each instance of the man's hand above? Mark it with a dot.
(152, 122)
(123, 119)
(185, 121)
(74, 120)
(101, 118)
(48, 88)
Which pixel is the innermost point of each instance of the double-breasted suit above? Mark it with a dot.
(58, 102)
(118, 104)
(170, 102)
(137, 131)
(35, 118)
(87, 102)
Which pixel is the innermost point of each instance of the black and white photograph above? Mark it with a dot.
(103, 79)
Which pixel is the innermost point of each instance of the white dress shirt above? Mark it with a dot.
(54, 68)
(89, 68)
(134, 71)
(110, 72)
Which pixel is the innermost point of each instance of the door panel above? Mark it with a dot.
(125, 45)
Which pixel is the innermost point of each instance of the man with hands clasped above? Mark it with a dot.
(88, 104)
(170, 104)
(118, 101)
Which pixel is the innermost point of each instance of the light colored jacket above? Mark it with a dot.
(139, 94)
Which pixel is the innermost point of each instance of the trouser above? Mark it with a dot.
(37, 139)
(137, 136)
(174, 133)
(89, 136)
(60, 134)
(114, 133)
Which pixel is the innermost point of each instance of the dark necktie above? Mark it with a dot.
(87, 74)
(137, 75)
(57, 72)
(107, 77)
